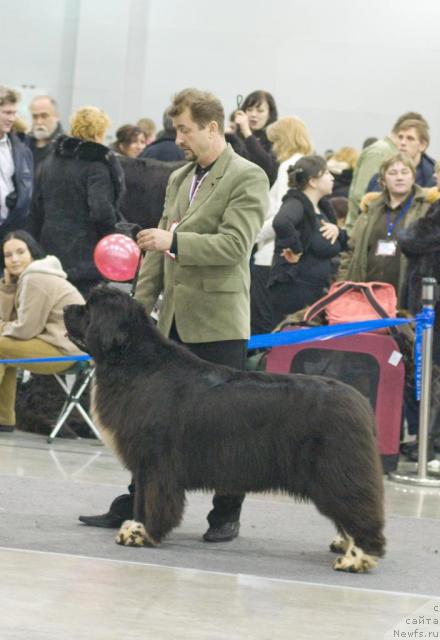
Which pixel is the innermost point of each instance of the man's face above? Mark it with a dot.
(409, 143)
(399, 179)
(8, 113)
(194, 142)
(44, 118)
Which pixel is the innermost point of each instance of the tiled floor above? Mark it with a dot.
(46, 595)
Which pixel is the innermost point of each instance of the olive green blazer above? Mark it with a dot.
(206, 288)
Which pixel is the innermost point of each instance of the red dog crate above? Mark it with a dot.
(370, 362)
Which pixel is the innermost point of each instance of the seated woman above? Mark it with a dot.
(33, 292)
(307, 239)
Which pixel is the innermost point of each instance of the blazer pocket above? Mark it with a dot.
(230, 283)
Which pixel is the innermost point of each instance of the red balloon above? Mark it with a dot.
(116, 257)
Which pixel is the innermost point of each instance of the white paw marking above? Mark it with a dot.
(133, 534)
(355, 559)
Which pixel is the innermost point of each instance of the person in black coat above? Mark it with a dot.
(77, 197)
(307, 239)
(46, 127)
(146, 182)
(164, 148)
(420, 242)
(256, 113)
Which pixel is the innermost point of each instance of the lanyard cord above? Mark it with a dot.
(195, 184)
(391, 225)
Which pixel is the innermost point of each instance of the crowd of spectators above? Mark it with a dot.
(357, 214)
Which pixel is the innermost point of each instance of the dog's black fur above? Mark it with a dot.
(180, 423)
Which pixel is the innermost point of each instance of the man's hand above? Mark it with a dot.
(154, 239)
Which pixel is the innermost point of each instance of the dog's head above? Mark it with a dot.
(110, 323)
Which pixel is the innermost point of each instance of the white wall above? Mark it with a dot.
(347, 67)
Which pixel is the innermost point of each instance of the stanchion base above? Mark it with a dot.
(412, 478)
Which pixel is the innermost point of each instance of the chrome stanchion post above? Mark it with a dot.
(421, 477)
(428, 299)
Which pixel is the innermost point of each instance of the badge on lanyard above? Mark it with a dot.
(386, 248)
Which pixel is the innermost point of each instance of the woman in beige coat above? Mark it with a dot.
(33, 292)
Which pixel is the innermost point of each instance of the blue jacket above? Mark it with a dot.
(424, 175)
(164, 148)
(23, 181)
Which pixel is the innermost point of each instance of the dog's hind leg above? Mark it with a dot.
(357, 511)
(355, 560)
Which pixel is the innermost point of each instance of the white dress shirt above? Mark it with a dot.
(7, 170)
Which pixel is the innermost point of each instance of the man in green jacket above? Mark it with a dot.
(369, 163)
(198, 258)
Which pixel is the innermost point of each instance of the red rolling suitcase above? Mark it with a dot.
(370, 362)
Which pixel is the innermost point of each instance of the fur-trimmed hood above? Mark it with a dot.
(74, 148)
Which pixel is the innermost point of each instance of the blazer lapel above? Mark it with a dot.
(183, 195)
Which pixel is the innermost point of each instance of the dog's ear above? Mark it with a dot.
(107, 333)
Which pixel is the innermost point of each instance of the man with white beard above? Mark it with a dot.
(46, 127)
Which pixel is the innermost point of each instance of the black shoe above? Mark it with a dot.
(121, 509)
(106, 520)
(225, 533)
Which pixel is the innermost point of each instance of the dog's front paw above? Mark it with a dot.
(133, 534)
(355, 561)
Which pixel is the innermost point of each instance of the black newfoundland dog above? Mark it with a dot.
(179, 423)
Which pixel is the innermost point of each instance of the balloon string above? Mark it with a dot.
(136, 274)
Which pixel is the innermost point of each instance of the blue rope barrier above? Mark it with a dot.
(308, 334)
(53, 359)
(326, 332)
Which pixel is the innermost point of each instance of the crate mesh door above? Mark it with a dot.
(360, 370)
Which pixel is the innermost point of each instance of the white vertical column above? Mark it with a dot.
(110, 57)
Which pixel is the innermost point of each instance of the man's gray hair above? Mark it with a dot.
(52, 101)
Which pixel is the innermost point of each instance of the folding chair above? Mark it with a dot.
(74, 381)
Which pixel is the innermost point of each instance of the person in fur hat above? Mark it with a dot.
(77, 197)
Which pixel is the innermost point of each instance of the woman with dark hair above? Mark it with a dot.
(307, 239)
(33, 292)
(130, 141)
(255, 114)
